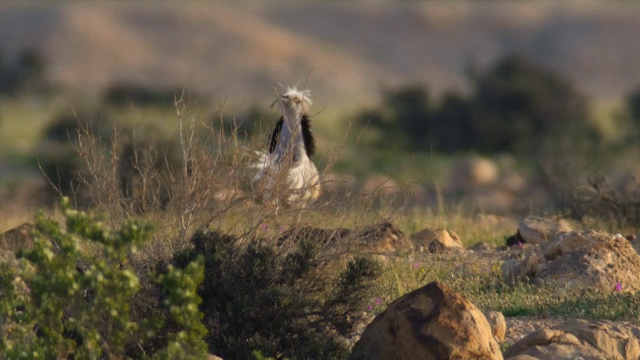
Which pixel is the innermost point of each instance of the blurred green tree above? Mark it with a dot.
(633, 105)
(26, 76)
(403, 121)
(523, 108)
(517, 106)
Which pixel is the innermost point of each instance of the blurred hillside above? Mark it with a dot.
(347, 51)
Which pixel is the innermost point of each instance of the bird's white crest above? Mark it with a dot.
(304, 95)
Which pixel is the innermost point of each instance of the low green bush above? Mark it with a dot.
(78, 293)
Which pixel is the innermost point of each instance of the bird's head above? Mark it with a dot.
(294, 100)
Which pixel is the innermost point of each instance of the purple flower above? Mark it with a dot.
(618, 287)
(519, 244)
(378, 301)
(416, 265)
(369, 308)
(263, 227)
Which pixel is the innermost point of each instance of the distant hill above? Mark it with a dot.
(347, 51)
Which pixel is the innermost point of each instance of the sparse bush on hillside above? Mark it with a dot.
(403, 119)
(126, 94)
(27, 76)
(261, 298)
(517, 107)
(633, 107)
(523, 108)
(633, 103)
(80, 290)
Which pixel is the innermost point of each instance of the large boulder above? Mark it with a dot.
(579, 339)
(536, 230)
(436, 240)
(579, 260)
(433, 322)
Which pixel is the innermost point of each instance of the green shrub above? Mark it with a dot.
(282, 304)
(81, 291)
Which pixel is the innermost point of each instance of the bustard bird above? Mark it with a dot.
(287, 177)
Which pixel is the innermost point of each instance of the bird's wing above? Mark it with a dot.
(274, 135)
(307, 136)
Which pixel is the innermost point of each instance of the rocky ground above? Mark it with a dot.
(519, 327)
(541, 253)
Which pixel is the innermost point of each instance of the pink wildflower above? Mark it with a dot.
(369, 308)
(263, 227)
(618, 287)
(378, 301)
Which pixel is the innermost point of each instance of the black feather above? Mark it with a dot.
(274, 135)
(307, 135)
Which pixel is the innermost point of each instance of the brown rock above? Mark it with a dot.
(436, 241)
(481, 247)
(17, 238)
(433, 322)
(579, 260)
(498, 324)
(535, 230)
(579, 339)
(383, 237)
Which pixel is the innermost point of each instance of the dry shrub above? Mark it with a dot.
(260, 298)
(618, 207)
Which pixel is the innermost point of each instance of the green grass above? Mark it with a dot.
(21, 123)
(488, 291)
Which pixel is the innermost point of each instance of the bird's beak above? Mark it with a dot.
(283, 97)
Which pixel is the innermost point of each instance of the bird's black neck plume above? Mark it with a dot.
(307, 135)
